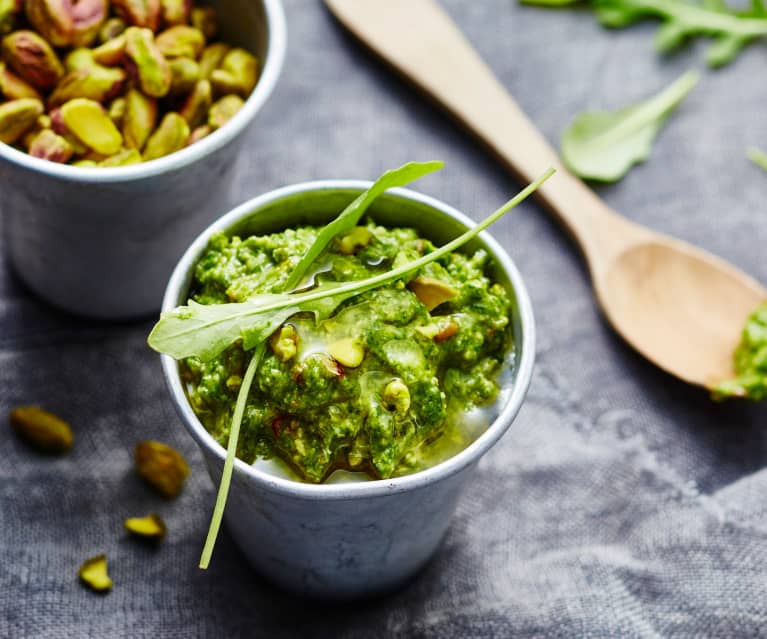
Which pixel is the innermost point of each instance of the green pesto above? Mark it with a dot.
(318, 415)
(750, 361)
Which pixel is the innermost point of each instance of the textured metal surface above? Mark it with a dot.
(621, 504)
(102, 243)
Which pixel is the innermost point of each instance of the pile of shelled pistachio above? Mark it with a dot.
(98, 83)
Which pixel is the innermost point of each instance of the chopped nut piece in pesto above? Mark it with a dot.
(376, 386)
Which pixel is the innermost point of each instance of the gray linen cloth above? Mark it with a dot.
(621, 504)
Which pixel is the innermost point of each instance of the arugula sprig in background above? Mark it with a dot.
(604, 145)
(730, 29)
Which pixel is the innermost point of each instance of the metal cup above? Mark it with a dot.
(354, 539)
(103, 242)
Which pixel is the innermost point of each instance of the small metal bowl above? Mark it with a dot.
(102, 242)
(349, 540)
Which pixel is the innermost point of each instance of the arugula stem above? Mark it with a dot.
(672, 95)
(231, 452)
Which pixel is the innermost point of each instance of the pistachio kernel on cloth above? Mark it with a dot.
(151, 527)
(161, 466)
(42, 430)
(93, 573)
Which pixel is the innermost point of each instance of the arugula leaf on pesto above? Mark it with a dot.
(205, 331)
(604, 145)
(730, 29)
(750, 361)
(352, 214)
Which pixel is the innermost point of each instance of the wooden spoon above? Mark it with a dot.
(679, 306)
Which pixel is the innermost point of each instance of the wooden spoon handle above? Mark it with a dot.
(421, 41)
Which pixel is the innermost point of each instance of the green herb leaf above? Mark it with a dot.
(605, 145)
(205, 331)
(253, 338)
(682, 19)
(758, 157)
(351, 214)
(730, 29)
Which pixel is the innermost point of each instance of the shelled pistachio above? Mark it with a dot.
(93, 573)
(224, 110)
(17, 117)
(161, 466)
(13, 87)
(139, 119)
(171, 136)
(41, 429)
(150, 528)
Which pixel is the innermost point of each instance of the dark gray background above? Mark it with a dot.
(621, 503)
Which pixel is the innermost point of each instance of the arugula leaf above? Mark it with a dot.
(254, 337)
(758, 157)
(730, 29)
(206, 330)
(217, 326)
(352, 213)
(605, 145)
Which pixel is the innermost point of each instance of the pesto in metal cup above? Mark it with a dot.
(359, 538)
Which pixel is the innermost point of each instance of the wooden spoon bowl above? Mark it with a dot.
(680, 307)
